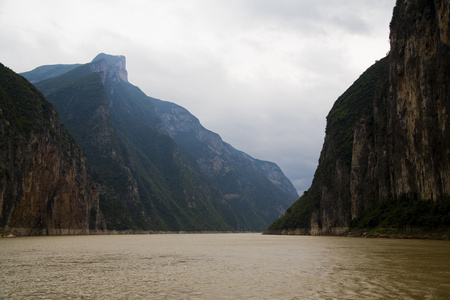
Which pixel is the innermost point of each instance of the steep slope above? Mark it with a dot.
(386, 155)
(256, 189)
(44, 184)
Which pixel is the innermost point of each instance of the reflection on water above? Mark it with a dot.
(223, 266)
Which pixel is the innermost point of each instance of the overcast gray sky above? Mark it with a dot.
(263, 74)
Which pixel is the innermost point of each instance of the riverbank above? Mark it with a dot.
(6, 234)
(392, 233)
(23, 232)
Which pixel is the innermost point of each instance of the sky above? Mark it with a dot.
(263, 74)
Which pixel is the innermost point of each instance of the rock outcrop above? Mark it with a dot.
(44, 184)
(387, 143)
(110, 66)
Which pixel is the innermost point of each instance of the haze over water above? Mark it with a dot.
(222, 266)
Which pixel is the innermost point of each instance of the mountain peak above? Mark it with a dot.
(112, 66)
(111, 60)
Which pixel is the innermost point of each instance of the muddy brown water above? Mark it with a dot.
(222, 266)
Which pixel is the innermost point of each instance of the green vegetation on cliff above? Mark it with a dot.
(406, 213)
(44, 184)
(22, 103)
(355, 103)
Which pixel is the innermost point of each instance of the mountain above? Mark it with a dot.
(145, 181)
(257, 189)
(385, 161)
(153, 159)
(44, 184)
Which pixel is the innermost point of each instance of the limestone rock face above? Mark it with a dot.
(419, 103)
(113, 67)
(388, 135)
(409, 153)
(44, 184)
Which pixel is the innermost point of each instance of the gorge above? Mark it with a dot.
(144, 164)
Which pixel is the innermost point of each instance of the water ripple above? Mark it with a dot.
(222, 266)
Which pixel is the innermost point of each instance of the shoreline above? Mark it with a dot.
(14, 232)
(387, 233)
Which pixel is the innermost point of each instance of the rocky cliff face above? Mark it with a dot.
(273, 172)
(418, 106)
(44, 184)
(112, 67)
(409, 154)
(388, 136)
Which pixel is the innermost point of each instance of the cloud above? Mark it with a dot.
(261, 73)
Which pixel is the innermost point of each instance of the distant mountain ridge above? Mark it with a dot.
(240, 178)
(157, 167)
(45, 72)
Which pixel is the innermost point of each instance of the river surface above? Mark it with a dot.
(222, 266)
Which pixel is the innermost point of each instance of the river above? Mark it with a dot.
(222, 266)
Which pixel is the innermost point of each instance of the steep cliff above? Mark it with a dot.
(386, 155)
(44, 184)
